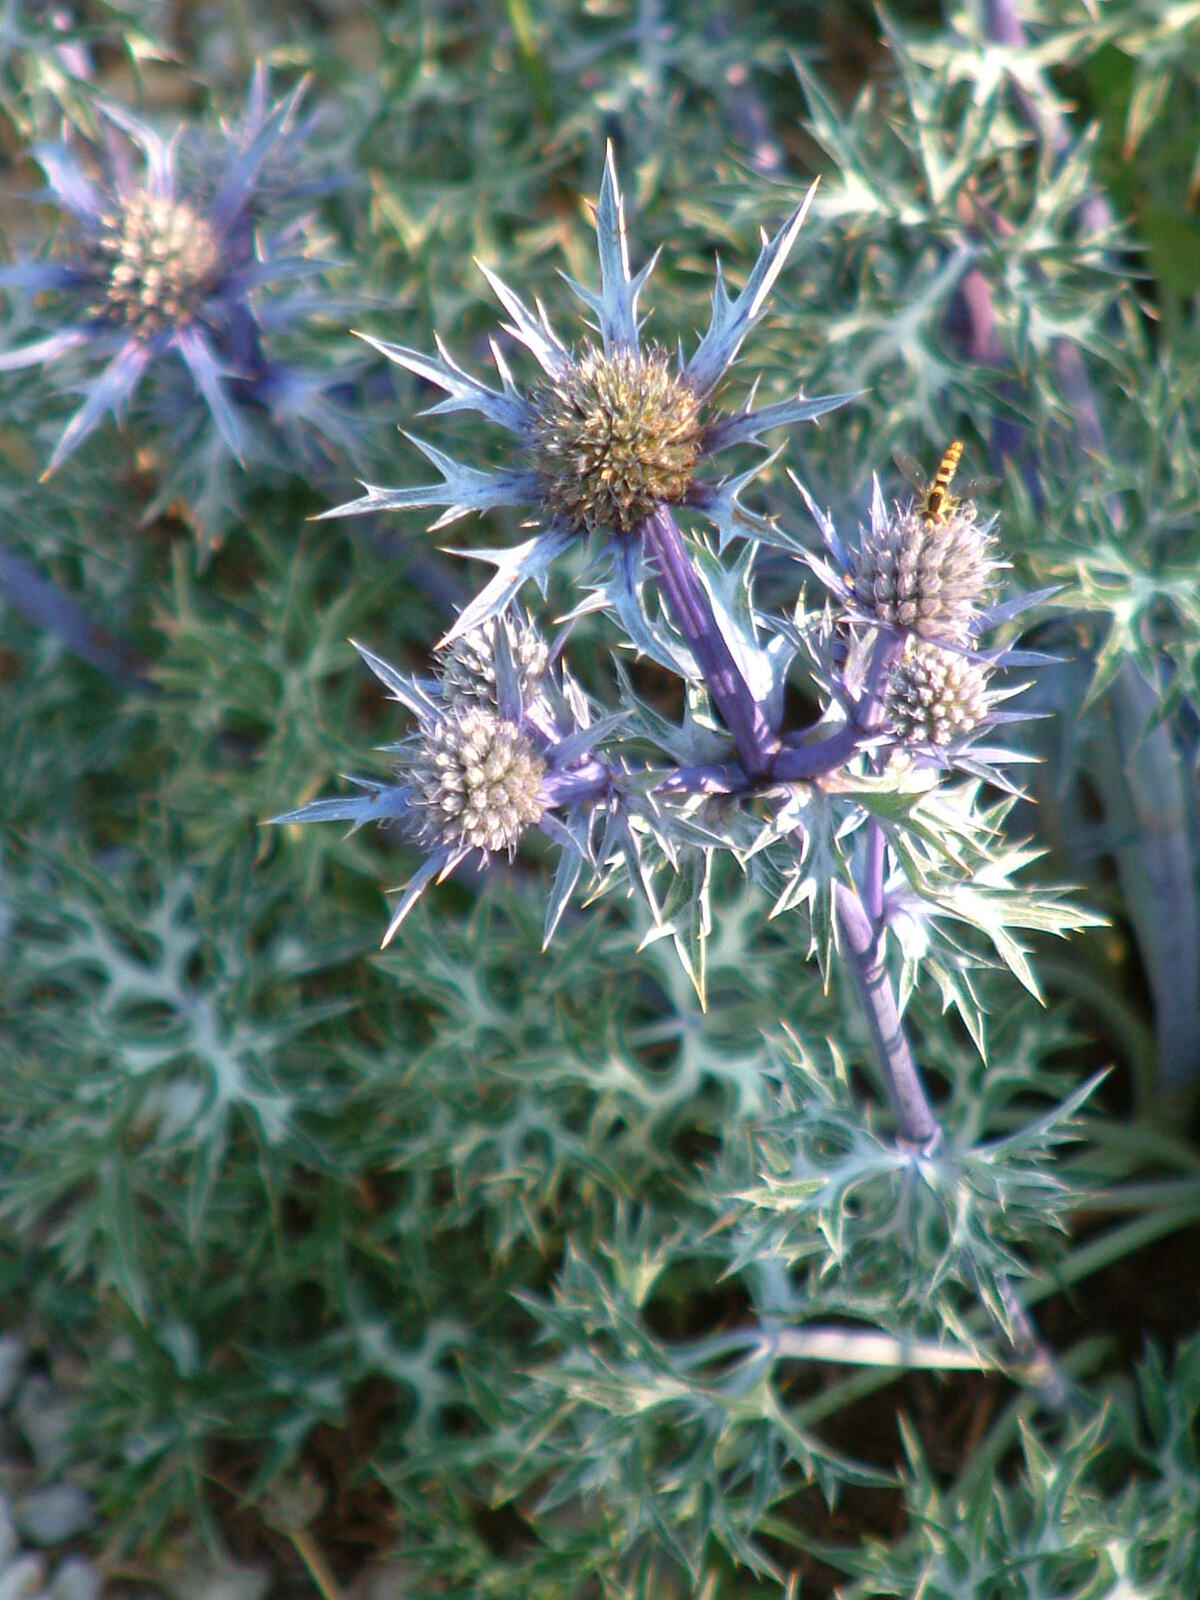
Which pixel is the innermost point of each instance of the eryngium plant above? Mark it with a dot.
(427, 1298)
(880, 827)
(186, 261)
(873, 822)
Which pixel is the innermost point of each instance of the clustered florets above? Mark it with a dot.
(925, 575)
(475, 779)
(161, 256)
(468, 667)
(614, 437)
(935, 696)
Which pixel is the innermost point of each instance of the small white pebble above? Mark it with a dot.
(76, 1579)
(54, 1514)
(23, 1579)
(43, 1419)
(201, 1580)
(9, 1543)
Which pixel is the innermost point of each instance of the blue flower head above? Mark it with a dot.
(505, 741)
(612, 432)
(162, 266)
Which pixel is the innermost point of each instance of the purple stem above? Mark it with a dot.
(871, 714)
(872, 886)
(761, 754)
(798, 762)
(693, 616)
(584, 782)
(862, 924)
(709, 779)
(745, 112)
(917, 1123)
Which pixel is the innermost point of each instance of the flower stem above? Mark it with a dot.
(871, 714)
(693, 616)
(917, 1123)
(41, 600)
(862, 924)
(795, 763)
(587, 781)
(872, 886)
(319, 1569)
(798, 762)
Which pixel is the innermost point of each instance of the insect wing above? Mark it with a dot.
(912, 471)
(972, 488)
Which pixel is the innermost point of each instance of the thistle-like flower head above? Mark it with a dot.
(502, 744)
(476, 781)
(917, 590)
(913, 574)
(162, 257)
(924, 576)
(614, 437)
(612, 432)
(936, 696)
(154, 264)
(468, 670)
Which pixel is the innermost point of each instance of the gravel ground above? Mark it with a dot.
(44, 1510)
(48, 1519)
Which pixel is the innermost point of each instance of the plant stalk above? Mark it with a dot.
(693, 616)
(914, 1115)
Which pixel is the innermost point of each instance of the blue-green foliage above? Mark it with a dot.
(553, 1278)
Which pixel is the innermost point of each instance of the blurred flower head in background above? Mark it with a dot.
(164, 257)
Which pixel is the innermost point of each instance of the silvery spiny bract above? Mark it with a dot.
(159, 262)
(613, 432)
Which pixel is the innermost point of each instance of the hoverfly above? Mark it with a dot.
(939, 504)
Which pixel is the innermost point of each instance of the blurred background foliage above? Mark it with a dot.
(457, 1270)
